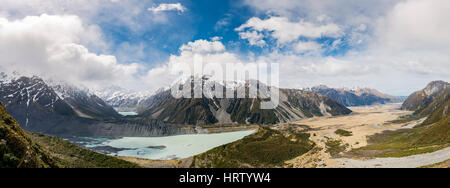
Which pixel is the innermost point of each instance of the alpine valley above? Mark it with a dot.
(294, 134)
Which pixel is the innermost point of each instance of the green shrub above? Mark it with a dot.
(343, 132)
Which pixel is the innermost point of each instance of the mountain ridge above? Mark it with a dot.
(293, 105)
(355, 96)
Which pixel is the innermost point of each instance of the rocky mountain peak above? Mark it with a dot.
(420, 99)
(435, 87)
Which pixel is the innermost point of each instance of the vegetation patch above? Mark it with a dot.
(444, 164)
(335, 147)
(404, 119)
(266, 148)
(343, 132)
(401, 143)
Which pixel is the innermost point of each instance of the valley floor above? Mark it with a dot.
(364, 122)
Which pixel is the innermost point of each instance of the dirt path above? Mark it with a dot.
(364, 122)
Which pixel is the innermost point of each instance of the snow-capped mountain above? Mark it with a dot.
(121, 99)
(37, 105)
(294, 105)
(59, 108)
(355, 96)
(84, 102)
(28, 98)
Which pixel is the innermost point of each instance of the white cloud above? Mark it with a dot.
(203, 46)
(399, 46)
(216, 38)
(130, 14)
(223, 23)
(51, 46)
(205, 52)
(286, 31)
(307, 46)
(253, 37)
(295, 71)
(167, 7)
(342, 12)
(414, 38)
(416, 24)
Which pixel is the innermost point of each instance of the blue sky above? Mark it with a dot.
(203, 19)
(382, 44)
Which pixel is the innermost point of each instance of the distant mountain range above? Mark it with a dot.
(121, 99)
(60, 108)
(294, 105)
(356, 96)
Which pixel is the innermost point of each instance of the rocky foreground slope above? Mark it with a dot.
(19, 149)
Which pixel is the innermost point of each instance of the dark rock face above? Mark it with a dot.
(112, 128)
(420, 99)
(356, 97)
(294, 105)
(31, 102)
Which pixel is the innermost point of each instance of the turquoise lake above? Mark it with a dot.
(128, 113)
(166, 148)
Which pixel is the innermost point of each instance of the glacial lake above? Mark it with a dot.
(128, 113)
(161, 148)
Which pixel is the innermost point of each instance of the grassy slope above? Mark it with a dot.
(444, 164)
(17, 150)
(266, 148)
